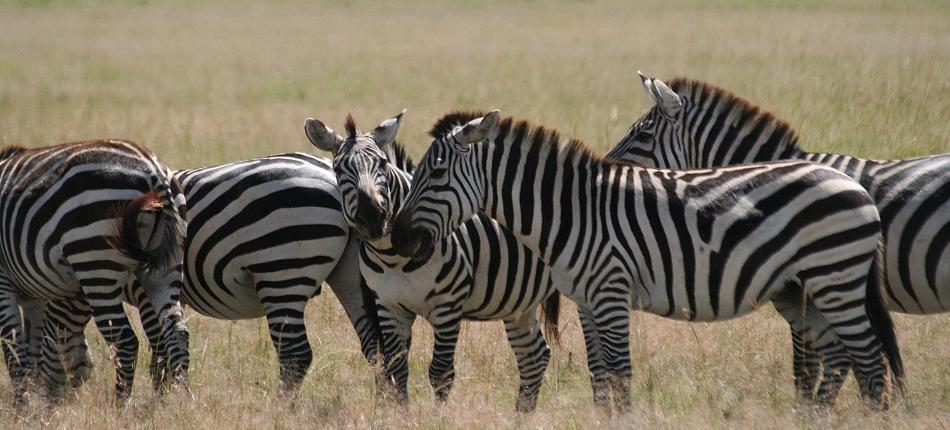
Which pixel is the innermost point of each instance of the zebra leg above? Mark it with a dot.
(817, 350)
(66, 361)
(532, 353)
(13, 339)
(158, 368)
(837, 364)
(162, 316)
(442, 367)
(805, 366)
(32, 314)
(612, 319)
(396, 327)
(599, 379)
(104, 296)
(357, 300)
(288, 333)
(841, 303)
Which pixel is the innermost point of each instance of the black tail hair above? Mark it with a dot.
(552, 312)
(167, 231)
(881, 323)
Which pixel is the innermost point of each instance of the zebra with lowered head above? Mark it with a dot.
(695, 124)
(695, 245)
(263, 235)
(480, 273)
(76, 220)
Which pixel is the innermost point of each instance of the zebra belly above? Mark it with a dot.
(234, 300)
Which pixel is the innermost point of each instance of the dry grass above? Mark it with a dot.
(217, 81)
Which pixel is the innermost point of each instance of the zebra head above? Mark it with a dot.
(657, 138)
(362, 165)
(447, 188)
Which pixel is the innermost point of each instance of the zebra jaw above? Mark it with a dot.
(414, 243)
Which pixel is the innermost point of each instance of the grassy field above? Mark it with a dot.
(208, 82)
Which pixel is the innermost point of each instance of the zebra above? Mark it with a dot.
(75, 221)
(480, 273)
(695, 245)
(263, 235)
(695, 124)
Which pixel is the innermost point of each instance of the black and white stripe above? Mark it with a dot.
(479, 273)
(263, 235)
(695, 125)
(76, 220)
(702, 245)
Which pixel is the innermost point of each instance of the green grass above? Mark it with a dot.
(211, 81)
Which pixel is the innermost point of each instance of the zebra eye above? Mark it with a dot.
(643, 136)
(438, 172)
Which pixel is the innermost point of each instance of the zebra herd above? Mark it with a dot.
(705, 210)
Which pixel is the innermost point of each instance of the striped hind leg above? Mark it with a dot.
(806, 366)
(284, 304)
(838, 290)
(65, 354)
(158, 367)
(532, 354)
(13, 339)
(818, 354)
(396, 328)
(596, 367)
(610, 311)
(103, 290)
(33, 323)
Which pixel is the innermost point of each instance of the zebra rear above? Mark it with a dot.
(75, 221)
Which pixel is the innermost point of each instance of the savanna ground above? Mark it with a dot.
(209, 82)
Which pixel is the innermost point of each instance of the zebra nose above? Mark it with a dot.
(370, 216)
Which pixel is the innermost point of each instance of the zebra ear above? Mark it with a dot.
(385, 133)
(322, 136)
(478, 129)
(662, 95)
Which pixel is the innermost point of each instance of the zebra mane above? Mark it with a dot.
(750, 112)
(402, 159)
(11, 150)
(449, 121)
(521, 129)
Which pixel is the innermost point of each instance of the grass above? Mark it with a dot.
(210, 81)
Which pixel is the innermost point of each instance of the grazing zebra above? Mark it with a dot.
(263, 234)
(701, 245)
(480, 273)
(696, 125)
(77, 220)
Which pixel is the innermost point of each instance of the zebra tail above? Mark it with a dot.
(552, 312)
(159, 248)
(882, 323)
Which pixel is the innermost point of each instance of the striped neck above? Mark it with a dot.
(532, 181)
(723, 129)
